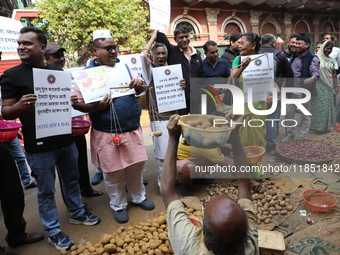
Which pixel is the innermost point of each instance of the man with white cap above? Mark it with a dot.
(120, 150)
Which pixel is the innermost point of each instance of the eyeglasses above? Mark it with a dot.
(57, 56)
(109, 48)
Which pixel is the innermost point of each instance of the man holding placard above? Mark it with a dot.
(158, 118)
(116, 135)
(44, 154)
(184, 54)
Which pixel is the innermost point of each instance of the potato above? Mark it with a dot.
(289, 207)
(73, 247)
(131, 251)
(120, 242)
(160, 220)
(273, 212)
(81, 249)
(110, 247)
(255, 196)
(282, 203)
(100, 250)
(163, 236)
(63, 252)
(267, 221)
(283, 212)
(106, 239)
(158, 252)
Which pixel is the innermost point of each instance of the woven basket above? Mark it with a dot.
(318, 200)
(301, 161)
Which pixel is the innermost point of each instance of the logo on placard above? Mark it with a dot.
(167, 72)
(51, 79)
(133, 60)
(258, 62)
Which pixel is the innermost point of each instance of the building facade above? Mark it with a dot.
(217, 20)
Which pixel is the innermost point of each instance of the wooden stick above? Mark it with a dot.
(126, 87)
(252, 59)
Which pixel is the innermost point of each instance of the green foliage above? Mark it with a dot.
(71, 22)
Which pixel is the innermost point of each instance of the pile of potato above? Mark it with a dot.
(207, 125)
(332, 138)
(268, 203)
(150, 238)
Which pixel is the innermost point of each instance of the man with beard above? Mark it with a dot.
(291, 48)
(158, 121)
(305, 66)
(232, 50)
(116, 134)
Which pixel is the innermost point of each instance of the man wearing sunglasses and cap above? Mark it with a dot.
(120, 149)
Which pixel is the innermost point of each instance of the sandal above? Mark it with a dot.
(95, 193)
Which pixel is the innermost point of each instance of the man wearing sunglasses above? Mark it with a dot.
(227, 225)
(116, 135)
(54, 55)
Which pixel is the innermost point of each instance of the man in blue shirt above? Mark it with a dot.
(213, 66)
(215, 71)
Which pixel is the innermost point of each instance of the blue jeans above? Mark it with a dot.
(271, 127)
(43, 167)
(20, 159)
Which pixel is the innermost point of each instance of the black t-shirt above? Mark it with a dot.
(15, 83)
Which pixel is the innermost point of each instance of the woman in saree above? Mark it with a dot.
(250, 135)
(322, 106)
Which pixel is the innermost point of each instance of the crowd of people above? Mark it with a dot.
(119, 151)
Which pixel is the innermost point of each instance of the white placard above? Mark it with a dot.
(9, 34)
(53, 105)
(169, 94)
(133, 61)
(160, 15)
(259, 75)
(95, 83)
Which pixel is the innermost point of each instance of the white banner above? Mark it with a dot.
(53, 105)
(9, 34)
(160, 15)
(169, 94)
(259, 75)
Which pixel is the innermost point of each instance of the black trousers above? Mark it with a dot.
(12, 197)
(84, 178)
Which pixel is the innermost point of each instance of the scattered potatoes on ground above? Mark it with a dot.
(268, 203)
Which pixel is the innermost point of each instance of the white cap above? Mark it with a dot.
(101, 34)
